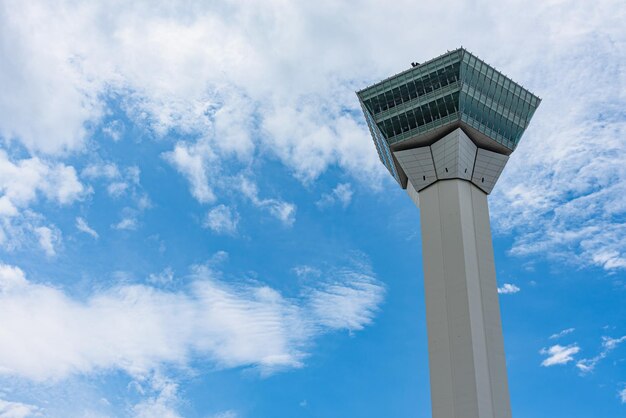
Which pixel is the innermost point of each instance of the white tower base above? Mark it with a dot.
(466, 350)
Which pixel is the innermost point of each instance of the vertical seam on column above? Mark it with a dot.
(430, 148)
(445, 295)
(474, 323)
(482, 305)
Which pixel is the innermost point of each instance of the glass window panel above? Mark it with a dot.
(373, 105)
(382, 102)
(432, 82)
(433, 110)
(426, 83)
(419, 116)
(426, 114)
(389, 99)
(395, 121)
(404, 92)
(419, 84)
(412, 120)
(397, 98)
(439, 79)
(388, 128)
(404, 123)
(450, 107)
(412, 90)
(441, 108)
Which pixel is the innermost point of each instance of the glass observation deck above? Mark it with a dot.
(457, 89)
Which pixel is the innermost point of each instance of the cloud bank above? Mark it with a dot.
(49, 335)
(246, 81)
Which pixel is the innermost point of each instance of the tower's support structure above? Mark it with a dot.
(465, 345)
(444, 130)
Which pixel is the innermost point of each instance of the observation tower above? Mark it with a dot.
(445, 129)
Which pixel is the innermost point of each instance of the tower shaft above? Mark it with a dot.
(466, 350)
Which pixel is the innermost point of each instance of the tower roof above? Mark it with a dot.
(426, 102)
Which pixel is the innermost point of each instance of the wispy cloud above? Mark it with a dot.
(82, 225)
(197, 162)
(23, 181)
(162, 399)
(128, 223)
(281, 210)
(137, 328)
(109, 171)
(225, 414)
(222, 220)
(26, 182)
(114, 130)
(341, 194)
(306, 271)
(49, 238)
(608, 344)
(164, 278)
(18, 410)
(508, 288)
(562, 333)
(350, 301)
(558, 354)
(119, 181)
(562, 193)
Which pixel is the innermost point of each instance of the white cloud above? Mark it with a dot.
(347, 305)
(82, 225)
(20, 231)
(225, 414)
(308, 139)
(306, 271)
(129, 218)
(48, 334)
(341, 194)
(558, 354)
(11, 278)
(240, 79)
(622, 395)
(114, 130)
(17, 410)
(508, 288)
(120, 181)
(128, 223)
(108, 171)
(48, 239)
(281, 210)
(22, 181)
(196, 163)
(117, 188)
(165, 278)
(47, 97)
(222, 220)
(562, 333)
(562, 193)
(608, 344)
(163, 403)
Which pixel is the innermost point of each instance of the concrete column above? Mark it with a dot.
(465, 344)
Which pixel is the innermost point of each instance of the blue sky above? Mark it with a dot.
(194, 221)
